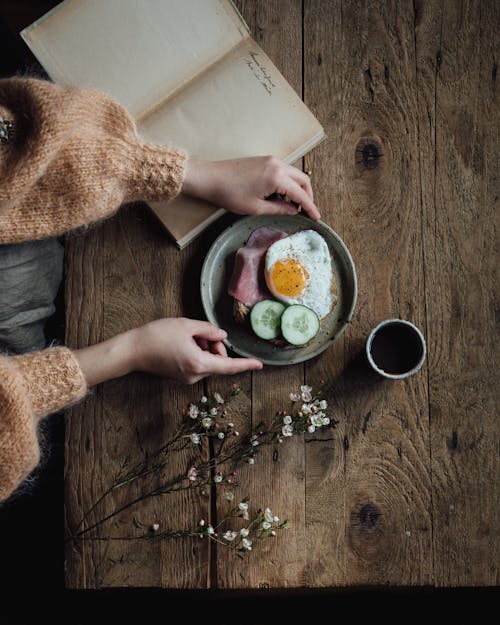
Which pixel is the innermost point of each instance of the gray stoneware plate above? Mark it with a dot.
(216, 272)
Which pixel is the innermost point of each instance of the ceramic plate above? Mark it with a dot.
(217, 270)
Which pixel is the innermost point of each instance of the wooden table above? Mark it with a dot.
(405, 490)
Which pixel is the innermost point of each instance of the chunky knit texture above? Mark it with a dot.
(75, 157)
(32, 386)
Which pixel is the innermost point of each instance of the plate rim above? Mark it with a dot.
(293, 361)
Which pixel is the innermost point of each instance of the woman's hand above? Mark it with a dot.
(182, 349)
(186, 350)
(242, 185)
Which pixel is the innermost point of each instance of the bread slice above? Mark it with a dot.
(240, 311)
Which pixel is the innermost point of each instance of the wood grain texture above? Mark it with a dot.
(405, 490)
(368, 490)
(123, 274)
(461, 250)
(280, 482)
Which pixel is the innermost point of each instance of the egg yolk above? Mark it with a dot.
(288, 277)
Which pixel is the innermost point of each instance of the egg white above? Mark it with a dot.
(309, 249)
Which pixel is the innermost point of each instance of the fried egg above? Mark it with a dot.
(298, 270)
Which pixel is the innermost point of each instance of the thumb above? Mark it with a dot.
(206, 330)
(224, 365)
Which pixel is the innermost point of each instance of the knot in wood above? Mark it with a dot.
(369, 514)
(371, 156)
(368, 154)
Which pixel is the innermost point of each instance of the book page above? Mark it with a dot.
(138, 52)
(242, 106)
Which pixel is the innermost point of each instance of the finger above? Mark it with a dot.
(229, 366)
(203, 343)
(218, 348)
(275, 207)
(206, 330)
(297, 194)
(302, 179)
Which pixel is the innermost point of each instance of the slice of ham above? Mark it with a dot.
(247, 283)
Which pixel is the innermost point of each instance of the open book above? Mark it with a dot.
(190, 74)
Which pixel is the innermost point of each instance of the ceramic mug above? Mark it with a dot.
(396, 349)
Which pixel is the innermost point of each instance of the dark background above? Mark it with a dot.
(31, 523)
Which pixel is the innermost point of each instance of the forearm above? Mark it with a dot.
(108, 360)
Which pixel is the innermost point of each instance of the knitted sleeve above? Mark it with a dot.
(31, 387)
(73, 156)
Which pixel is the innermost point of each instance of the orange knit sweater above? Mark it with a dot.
(74, 157)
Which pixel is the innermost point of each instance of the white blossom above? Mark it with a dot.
(221, 435)
(323, 404)
(311, 429)
(210, 530)
(229, 535)
(268, 515)
(246, 544)
(243, 506)
(305, 393)
(287, 419)
(266, 525)
(294, 397)
(316, 420)
(229, 496)
(204, 399)
(201, 523)
(193, 411)
(195, 438)
(251, 461)
(306, 409)
(207, 422)
(276, 519)
(218, 398)
(273, 533)
(192, 474)
(325, 420)
(244, 532)
(218, 478)
(155, 527)
(213, 412)
(287, 430)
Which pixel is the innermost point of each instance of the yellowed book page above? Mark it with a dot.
(137, 51)
(242, 106)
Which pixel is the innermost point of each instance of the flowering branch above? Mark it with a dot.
(203, 423)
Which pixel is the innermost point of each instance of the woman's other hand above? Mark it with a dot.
(186, 350)
(244, 185)
(181, 349)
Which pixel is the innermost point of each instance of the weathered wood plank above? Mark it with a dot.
(83, 300)
(458, 47)
(279, 484)
(368, 491)
(142, 277)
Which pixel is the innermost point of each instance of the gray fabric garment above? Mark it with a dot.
(30, 275)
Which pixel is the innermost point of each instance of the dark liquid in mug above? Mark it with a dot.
(396, 348)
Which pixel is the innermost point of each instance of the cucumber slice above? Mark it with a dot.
(299, 324)
(265, 318)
